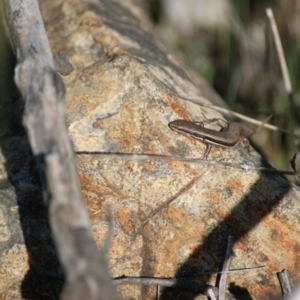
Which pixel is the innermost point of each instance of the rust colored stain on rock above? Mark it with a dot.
(236, 186)
(115, 105)
(125, 218)
(180, 111)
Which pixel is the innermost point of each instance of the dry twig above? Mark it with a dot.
(167, 282)
(165, 204)
(284, 69)
(286, 283)
(243, 166)
(203, 102)
(226, 264)
(86, 269)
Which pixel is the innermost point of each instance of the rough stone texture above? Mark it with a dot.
(116, 103)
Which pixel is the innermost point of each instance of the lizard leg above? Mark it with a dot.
(207, 150)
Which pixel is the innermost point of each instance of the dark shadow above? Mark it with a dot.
(44, 279)
(243, 218)
(239, 291)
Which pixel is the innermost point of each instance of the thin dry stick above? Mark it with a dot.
(42, 89)
(286, 283)
(240, 116)
(177, 297)
(212, 294)
(226, 264)
(166, 203)
(244, 166)
(235, 270)
(280, 53)
(283, 66)
(202, 102)
(178, 283)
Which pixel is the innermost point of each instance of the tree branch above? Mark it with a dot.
(85, 268)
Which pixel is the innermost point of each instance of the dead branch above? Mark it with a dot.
(85, 268)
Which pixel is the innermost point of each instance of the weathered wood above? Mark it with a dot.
(286, 283)
(86, 269)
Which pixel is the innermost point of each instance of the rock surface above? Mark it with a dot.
(119, 101)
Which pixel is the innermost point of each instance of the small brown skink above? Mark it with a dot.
(228, 137)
